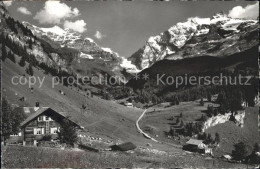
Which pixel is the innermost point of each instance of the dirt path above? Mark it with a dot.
(140, 130)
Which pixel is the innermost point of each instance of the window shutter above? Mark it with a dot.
(34, 131)
(42, 130)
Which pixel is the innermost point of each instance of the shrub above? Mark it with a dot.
(67, 133)
(240, 151)
(11, 56)
(29, 70)
(46, 138)
(22, 61)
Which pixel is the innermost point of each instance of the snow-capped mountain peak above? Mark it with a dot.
(87, 47)
(56, 30)
(195, 32)
(70, 38)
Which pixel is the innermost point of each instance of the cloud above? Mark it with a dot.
(7, 3)
(99, 35)
(54, 11)
(249, 12)
(24, 11)
(79, 25)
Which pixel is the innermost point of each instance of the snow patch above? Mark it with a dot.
(201, 21)
(56, 30)
(85, 56)
(130, 68)
(90, 40)
(107, 50)
(110, 51)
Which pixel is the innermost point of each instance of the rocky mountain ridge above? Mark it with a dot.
(217, 36)
(71, 39)
(87, 47)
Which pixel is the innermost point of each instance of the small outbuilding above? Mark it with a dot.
(227, 157)
(128, 104)
(194, 145)
(123, 147)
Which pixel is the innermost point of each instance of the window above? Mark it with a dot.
(47, 118)
(38, 131)
(40, 118)
(54, 130)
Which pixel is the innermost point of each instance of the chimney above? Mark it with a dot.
(37, 104)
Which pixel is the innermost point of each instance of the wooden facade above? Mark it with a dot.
(43, 122)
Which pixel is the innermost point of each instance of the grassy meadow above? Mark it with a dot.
(39, 157)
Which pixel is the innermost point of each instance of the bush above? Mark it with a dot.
(67, 133)
(201, 102)
(254, 158)
(11, 120)
(217, 138)
(4, 54)
(11, 56)
(29, 70)
(240, 151)
(46, 138)
(22, 61)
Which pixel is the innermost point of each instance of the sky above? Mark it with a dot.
(123, 26)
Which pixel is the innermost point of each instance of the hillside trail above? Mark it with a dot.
(140, 130)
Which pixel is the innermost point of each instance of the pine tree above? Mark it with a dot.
(30, 43)
(11, 56)
(203, 118)
(29, 70)
(11, 120)
(256, 148)
(17, 117)
(6, 125)
(232, 118)
(217, 138)
(22, 61)
(223, 101)
(4, 54)
(254, 158)
(201, 102)
(204, 136)
(177, 101)
(209, 139)
(240, 151)
(67, 133)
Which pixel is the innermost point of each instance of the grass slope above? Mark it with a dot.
(102, 117)
(32, 157)
(160, 120)
(230, 134)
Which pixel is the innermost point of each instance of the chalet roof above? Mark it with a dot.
(194, 142)
(26, 110)
(39, 112)
(124, 146)
(34, 115)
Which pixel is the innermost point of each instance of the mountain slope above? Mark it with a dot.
(71, 39)
(102, 118)
(87, 49)
(218, 36)
(168, 79)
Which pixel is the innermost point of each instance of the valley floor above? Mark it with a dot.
(107, 120)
